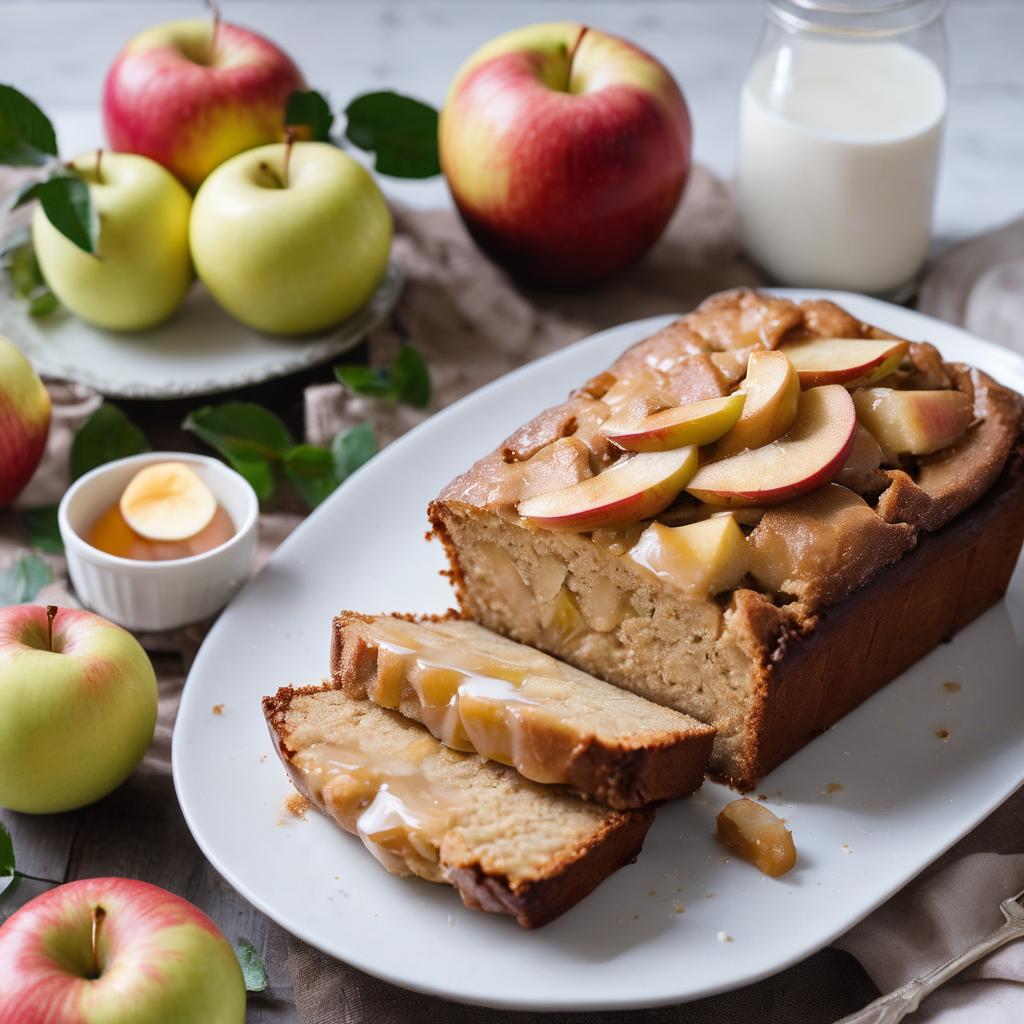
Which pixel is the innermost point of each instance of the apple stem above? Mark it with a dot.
(271, 174)
(572, 54)
(289, 141)
(99, 170)
(51, 614)
(98, 914)
(214, 9)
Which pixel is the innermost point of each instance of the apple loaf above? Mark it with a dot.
(506, 844)
(757, 516)
(477, 691)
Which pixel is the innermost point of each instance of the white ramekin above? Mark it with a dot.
(157, 595)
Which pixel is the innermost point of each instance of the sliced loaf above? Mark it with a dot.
(506, 844)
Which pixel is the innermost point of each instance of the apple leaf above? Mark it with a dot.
(352, 448)
(411, 378)
(309, 110)
(42, 528)
(253, 971)
(27, 281)
(22, 581)
(401, 132)
(8, 876)
(68, 207)
(106, 435)
(248, 436)
(406, 380)
(311, 470)
(27, 138)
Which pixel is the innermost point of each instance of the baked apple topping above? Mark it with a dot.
(756, 834)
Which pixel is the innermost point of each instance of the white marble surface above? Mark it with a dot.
(58, 51)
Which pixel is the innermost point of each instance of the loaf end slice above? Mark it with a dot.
(506, 844)
(480, 692)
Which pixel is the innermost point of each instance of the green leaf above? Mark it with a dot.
(365, 380)
(8, 876)
(400, 131)
(68, 207)
(352, 448)
(253, 971)
(106, 435)
(310, 110)
(27, 281)
(311, 470)
(410, 377)
(43, 303)
(23, 580)
(27, 137)
(43, 532)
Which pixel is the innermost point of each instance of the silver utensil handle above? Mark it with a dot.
(897, 1004)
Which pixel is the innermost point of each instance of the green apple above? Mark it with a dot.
(115, 951)
(290, 242)
(142, 270)
(78, 704)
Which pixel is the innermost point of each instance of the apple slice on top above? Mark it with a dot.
(692, 423)
(633, 489)
(916, 422)
(843, 360)
(807, 456)
(772, 389)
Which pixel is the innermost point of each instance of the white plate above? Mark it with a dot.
(199, 351)
(906, 795)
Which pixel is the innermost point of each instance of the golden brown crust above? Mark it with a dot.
(619, 775)
(533, 902)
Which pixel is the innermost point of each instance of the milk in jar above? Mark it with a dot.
(839, 150)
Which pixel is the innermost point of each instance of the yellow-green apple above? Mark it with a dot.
(693, 423)
(915, 422)
(772, 390)
(807, 456)
(634, 488)
(142, 268)
(291, 244)
(700, 558)
(77, 707)
(844, 360)
(105, 950)
(24, 421)
(566, 150)
(190, 94)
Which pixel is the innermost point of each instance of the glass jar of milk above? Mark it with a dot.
(840, 129)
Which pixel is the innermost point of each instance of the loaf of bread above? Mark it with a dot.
(477, 691)
(506, 844)
(837, 591)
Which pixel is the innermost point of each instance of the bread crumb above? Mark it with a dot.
(295, 806)
(832, 787)
(636, 917)
(951, 687)
(679, 908)
(846, 848)
(762, 797)
(724, 937)
(218, 709)
(652, 892)
(263, 758)
(943, 734)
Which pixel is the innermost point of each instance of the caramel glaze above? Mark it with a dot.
(111, 534)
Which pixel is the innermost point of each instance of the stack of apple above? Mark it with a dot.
(790, 428)
(288, 239)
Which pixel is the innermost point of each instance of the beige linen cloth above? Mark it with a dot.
(472, 325)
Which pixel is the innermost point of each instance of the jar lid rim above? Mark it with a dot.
(813, 15)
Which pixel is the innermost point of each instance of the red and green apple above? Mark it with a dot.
(24, 421)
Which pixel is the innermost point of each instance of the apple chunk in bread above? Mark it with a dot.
(693, 423)
(634, 488)
(772, 389)
(843, 360)
(702, 558)
(915, 422)
(807, 456)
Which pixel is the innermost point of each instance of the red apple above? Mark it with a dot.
(24, 421)
(918, 422)
(632, 489)
(843, 360)
(566, 151)
(113, 949)
(807, 456)
(693, 423)
(189, 96)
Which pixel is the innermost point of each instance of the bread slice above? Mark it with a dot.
(846, 585)
(506, 844)
(477, 691)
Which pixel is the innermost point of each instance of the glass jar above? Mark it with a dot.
(840, 129)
